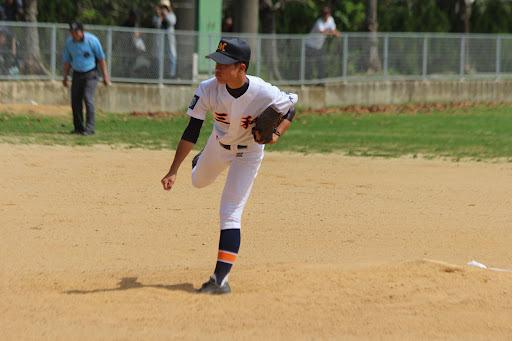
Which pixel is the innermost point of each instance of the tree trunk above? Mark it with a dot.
(185, 11)
(463, 16)
(463, 23)
(269, 47)
(32, 64)
(373, 63)
(246, 20)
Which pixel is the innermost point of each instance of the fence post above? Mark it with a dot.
(462, 54)
(161, 57)
(498, 57)
(345, 56)
(54, 52)
(425, 57)
(109, 51)
(302, 60)
(386, 53)
(195, 67)
(210, 48)
(258, 58)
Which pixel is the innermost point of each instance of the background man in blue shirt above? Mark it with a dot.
(83, 52)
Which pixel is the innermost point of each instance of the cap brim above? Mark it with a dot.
(221, 58)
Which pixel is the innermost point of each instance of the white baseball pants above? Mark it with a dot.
(243, 167)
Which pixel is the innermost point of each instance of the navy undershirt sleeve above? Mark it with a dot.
(191, 133)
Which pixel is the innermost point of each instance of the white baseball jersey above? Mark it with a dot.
(316, 39)
(234, 117)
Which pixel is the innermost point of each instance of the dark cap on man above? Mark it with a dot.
(76, 26)
(231, 51)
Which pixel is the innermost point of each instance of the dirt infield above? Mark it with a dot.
(332, 248)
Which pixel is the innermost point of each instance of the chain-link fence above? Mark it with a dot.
(34, 51)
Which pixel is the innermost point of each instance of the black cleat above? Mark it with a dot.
(194, 160)
(210, 288)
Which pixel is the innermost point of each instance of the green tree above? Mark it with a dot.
(350, 16)
(429, 16)
(299, 16)
(94, 12)
(415, 16)
(492, 16)
(57, 11)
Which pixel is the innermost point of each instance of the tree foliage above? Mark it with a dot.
(491, 16)
(57, 11)
(298, 16)
(407, 16)
(95, 12)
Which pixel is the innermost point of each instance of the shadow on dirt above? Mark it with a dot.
(132, 283)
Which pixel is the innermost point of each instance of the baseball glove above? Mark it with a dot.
(266, 124)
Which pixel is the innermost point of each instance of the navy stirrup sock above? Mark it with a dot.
(229, 245)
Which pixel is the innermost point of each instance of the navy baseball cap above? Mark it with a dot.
(76, 26)
(231, 51)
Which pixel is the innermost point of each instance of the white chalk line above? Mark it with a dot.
(480, 265)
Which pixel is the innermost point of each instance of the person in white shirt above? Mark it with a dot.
(166, 20)
(315, 55)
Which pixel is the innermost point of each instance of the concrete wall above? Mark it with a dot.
(399, 92)
(124, 97)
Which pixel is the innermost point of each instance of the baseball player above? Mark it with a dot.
(236, 101)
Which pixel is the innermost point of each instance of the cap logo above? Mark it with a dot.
(222, 46)
(230, 51)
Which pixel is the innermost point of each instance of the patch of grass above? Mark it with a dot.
(116, 130)
(478, 132)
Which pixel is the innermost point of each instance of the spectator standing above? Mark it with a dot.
(83, 52)
(227, 24)
(10, 10)
(134, 59)
(315, 54)
(8, 60)
(133, 19)
(165, 19)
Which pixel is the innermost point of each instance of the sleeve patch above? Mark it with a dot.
(194, 102)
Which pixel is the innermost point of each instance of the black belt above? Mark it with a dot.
(228, 147)
(81, 73)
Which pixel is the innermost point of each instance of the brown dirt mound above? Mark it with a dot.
(91, 247)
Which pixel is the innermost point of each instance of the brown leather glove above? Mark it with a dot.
(265, 125)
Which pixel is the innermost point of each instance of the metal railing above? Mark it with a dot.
(31, 51)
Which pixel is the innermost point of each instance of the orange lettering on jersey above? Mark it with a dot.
(222, 46)
(247, 121)
(221, 117)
